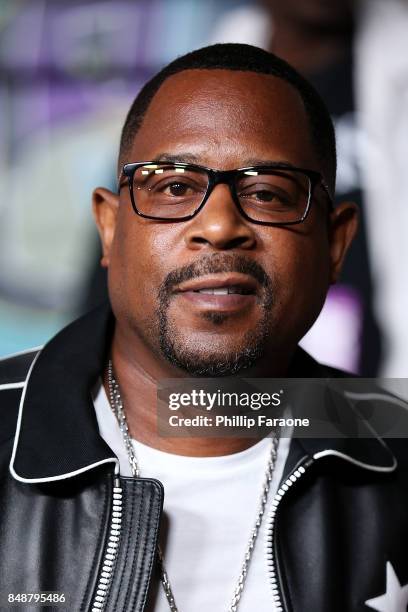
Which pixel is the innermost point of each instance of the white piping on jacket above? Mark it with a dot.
(17, 385)
(367, 466)
(20, 384)
(17, 435)
(377, 396)
(25, 352)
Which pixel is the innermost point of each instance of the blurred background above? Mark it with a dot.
(69, 70)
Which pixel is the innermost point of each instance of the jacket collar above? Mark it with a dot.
(57, 433)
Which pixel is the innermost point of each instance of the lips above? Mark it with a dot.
(221, 284)
(220, 292)
(223, 291)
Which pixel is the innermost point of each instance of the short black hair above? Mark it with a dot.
(233, 56)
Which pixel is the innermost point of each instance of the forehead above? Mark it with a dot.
(225, 118)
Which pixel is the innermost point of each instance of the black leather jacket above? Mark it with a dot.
(341, 516)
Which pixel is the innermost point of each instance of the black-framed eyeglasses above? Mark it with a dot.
(277, 194)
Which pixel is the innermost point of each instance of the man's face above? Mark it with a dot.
(159, 270)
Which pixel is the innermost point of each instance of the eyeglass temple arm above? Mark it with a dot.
(327, 190)
(121, 180)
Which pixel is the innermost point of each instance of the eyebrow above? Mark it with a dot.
(183, 158)
(190, 158)
(255, 161)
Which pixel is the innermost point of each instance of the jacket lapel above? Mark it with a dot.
(57, 433)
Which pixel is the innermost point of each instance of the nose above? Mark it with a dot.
(219, 224)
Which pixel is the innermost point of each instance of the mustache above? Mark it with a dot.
(214, 264)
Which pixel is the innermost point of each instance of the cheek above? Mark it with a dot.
(130, 268)
(309, 265)
(139, 262)
(299, 268)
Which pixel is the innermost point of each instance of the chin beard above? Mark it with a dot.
(199, 360)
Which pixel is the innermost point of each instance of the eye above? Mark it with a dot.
(266, 194)
(177, 189)
(263, 195)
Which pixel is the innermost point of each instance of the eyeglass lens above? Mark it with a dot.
(169, 191)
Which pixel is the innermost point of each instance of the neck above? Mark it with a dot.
(308, 50)
(138, 373)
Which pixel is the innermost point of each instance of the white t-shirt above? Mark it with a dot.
(210, 505)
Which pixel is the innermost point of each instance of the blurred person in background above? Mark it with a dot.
(356, 55)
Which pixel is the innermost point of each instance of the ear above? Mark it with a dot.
(343, 228)
(105, 205)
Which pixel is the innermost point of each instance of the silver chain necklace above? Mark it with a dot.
(116, 403)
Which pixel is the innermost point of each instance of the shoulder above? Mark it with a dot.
(399, 447)
(332, 372)
(14, 368)
(303, 365)
(13, 373)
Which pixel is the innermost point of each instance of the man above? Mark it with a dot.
(220, 247)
